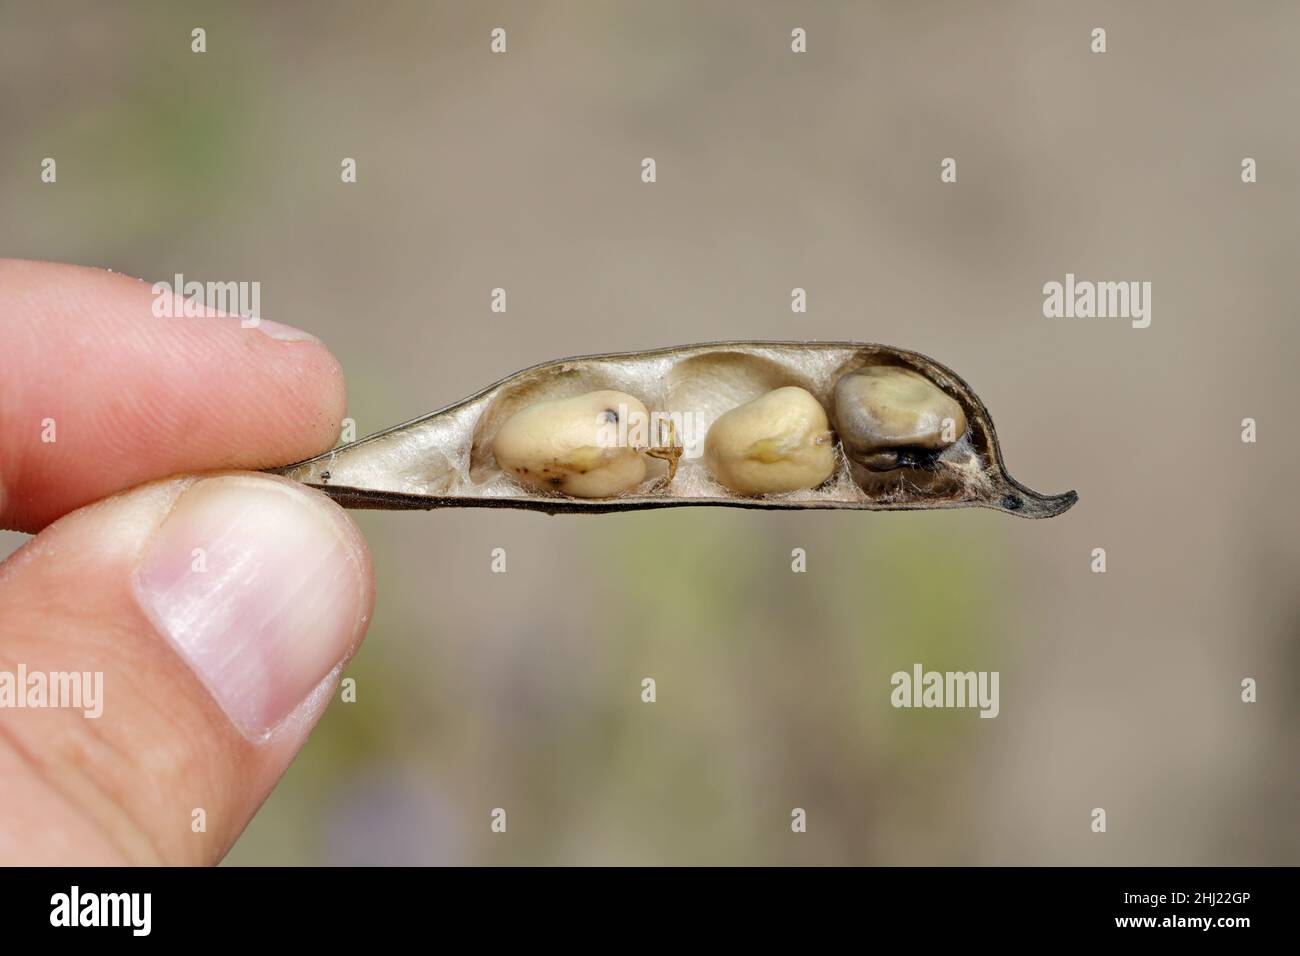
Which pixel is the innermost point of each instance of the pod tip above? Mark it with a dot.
(1026, 503)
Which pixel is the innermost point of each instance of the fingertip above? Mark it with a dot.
(126, 394)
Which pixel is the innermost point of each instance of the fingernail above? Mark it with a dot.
(261, 588)
(278, 330)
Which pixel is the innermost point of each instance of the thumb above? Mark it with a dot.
(219, 612)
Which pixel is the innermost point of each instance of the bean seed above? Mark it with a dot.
(779, 442)
(570, 445)
(895, 426)
(888, 407)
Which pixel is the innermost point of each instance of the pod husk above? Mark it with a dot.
(444, 459)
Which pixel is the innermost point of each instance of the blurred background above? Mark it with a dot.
(775, 170)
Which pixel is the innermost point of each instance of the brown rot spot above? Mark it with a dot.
(556, 481)
(1012, 502)
(920, 458)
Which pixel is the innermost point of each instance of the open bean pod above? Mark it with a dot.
(733, 424)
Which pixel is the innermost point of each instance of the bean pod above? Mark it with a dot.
(777, 425)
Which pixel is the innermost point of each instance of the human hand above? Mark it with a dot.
(218, 609)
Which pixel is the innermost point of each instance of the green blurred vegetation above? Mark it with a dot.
(772, 692)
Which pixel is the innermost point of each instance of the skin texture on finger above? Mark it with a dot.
(129, 397)
(123, 787)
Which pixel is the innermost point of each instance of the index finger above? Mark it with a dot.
(98, 394)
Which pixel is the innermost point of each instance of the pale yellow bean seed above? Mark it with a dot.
(570, 445)
(778, 442)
